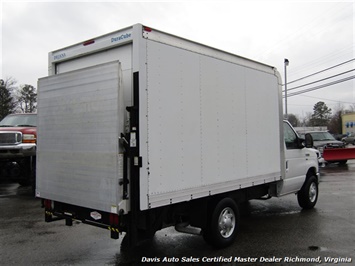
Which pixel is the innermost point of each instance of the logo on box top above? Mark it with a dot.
(121, 37)
(59, 56)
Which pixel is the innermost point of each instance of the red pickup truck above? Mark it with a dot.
(18, 138)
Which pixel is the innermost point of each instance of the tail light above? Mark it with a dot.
(48, 204)
(113, 219)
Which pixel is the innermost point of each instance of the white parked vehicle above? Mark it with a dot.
(140, 130)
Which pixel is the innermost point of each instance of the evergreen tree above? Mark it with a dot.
(7, 102)
(293, 119)
(321, 114)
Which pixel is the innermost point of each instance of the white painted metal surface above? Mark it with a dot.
(80, 119)
(213, 125)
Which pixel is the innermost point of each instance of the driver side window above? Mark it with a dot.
(290, 137)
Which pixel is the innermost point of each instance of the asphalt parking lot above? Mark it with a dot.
(275, 231)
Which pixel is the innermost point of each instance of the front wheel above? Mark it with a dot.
(308, 195)
(223, 223)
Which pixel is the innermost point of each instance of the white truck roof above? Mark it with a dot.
(126, 35)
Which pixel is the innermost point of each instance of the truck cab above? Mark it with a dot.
(300, 157)
(18, 137)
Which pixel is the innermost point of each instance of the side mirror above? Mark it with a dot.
(308, 141)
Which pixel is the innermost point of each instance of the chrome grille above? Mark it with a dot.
(9, 138)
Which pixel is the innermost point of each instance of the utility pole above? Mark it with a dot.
(286, 62)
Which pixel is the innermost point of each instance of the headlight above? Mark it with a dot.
(29, 138)
(321, 149)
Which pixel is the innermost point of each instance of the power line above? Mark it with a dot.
(348, 61)
(320, 80)
(320, 86)
(316, 20)
(345, 52)
(319, 98)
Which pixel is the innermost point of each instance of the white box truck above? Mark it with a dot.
(139, 130)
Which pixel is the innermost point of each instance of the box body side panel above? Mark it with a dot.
(212, 125)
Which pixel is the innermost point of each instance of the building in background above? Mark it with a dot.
(348, 123)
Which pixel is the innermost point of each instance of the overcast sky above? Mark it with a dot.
(313, 36)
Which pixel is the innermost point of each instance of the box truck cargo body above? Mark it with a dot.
(139, 129)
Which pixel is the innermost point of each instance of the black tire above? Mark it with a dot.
(308, 195)
(223, 224)
(24, 183)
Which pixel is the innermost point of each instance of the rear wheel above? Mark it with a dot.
(24, 183)
(308, 195)
(223, 224)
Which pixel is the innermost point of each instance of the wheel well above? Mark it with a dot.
(311, 172)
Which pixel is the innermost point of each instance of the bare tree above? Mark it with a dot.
(351, 109)
(306, 120)
(27, 99)
(335, 125)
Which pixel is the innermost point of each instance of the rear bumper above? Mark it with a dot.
(57, 211)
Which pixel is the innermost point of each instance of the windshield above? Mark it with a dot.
(19, 120)
(319, 136)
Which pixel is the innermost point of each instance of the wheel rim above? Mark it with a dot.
(312, 192)
(226, 222)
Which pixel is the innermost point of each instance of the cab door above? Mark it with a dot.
(295, 159)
